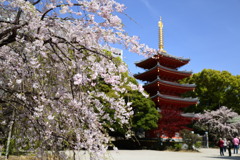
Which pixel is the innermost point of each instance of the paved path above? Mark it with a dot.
(203, 154)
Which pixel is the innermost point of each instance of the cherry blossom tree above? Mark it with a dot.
(52, 53)
(218, 122)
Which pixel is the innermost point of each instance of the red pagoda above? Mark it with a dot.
(162, 76)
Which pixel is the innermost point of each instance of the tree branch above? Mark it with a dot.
(10, 38)
(57, 6)
(9, 22)
(82, 47)
(18, 16)
(34, 3)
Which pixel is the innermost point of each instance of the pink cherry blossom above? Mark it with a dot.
(218, 122)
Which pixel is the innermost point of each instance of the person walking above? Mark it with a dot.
(229, 147)
(225, 144)
(220, 145)
(235, 145)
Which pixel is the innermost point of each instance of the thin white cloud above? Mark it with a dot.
(151, 9)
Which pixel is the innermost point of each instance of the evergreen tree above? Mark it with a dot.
(214, 89)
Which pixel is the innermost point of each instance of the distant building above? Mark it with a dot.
(117, 53)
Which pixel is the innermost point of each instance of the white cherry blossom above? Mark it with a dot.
(51, 55)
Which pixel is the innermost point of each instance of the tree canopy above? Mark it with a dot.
(215, 89)
(145, 115)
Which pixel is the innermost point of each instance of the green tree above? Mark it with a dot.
(214, 89)
(145, 114)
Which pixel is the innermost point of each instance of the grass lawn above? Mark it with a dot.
(19, 158)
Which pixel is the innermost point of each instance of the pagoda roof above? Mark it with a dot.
(159, 70)
(166, 99)
(158, 83)
(171, 83)
(164, 59)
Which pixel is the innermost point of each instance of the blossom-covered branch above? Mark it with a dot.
(52, 54)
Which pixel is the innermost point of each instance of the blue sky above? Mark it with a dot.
(206, 31)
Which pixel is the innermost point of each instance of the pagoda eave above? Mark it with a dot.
(160, 98)
(161, 71)
(153, 88)
(190, 115)
(172, 85)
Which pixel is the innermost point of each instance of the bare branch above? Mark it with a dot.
(18, 16)
(83, 47)
(10, 39)
(34, 3)
(54, 50)
(9, 22)
(8, 31)
(62, 52)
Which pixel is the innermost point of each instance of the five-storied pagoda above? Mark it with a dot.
(162, 76)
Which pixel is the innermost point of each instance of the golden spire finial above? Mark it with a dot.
(160, 25)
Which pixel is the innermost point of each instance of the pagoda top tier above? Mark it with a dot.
(164, 59)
